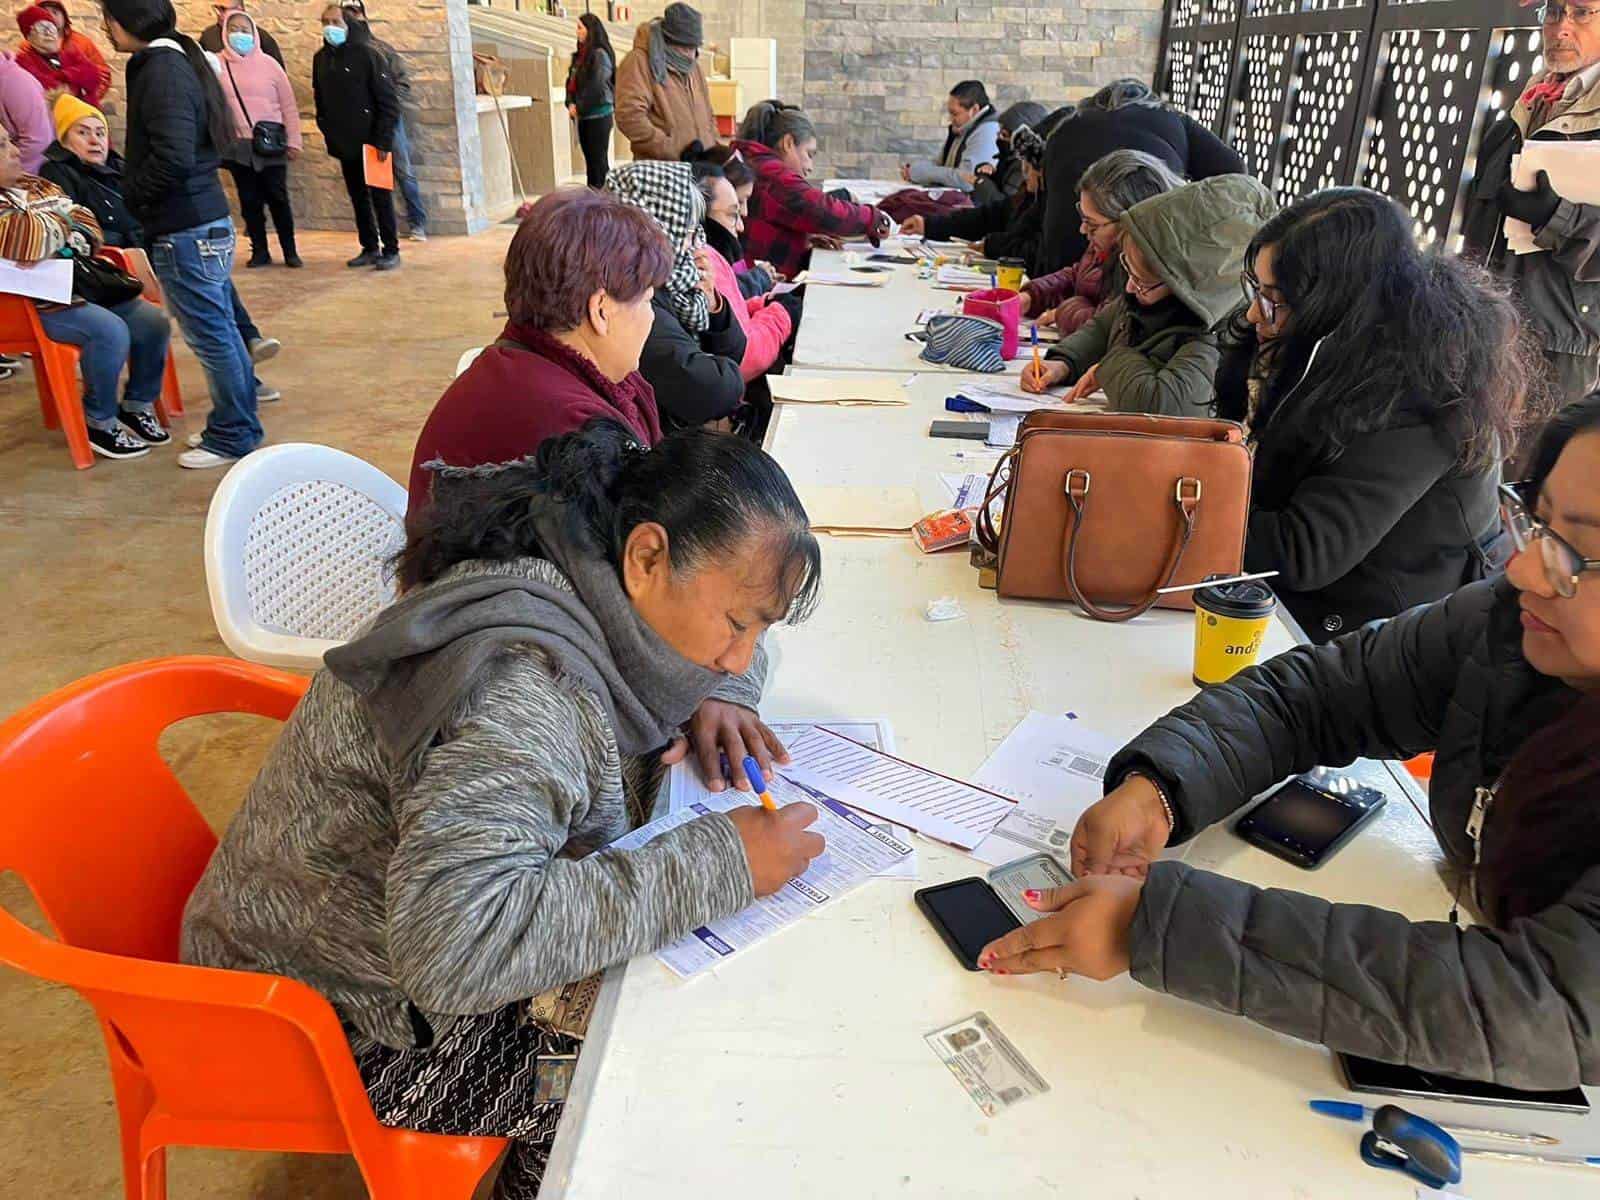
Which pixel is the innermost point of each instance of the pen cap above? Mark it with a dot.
(752, 770)
(1343, 1110)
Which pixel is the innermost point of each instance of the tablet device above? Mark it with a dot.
(1389, 1079)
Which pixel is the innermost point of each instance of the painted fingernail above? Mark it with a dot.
(998, 971)
(1030, 894)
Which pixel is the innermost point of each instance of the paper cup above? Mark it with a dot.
(1008, 273)
(1230, 623)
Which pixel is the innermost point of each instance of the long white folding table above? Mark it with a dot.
(799, 1068)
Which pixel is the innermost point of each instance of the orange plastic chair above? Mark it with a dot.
(99, 828)
(135, 262)
(1421, 767)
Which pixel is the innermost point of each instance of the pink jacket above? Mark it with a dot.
(262, 83)
(766, 326)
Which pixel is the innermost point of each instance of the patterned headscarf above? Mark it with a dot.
(1028, 146)
(667, 191)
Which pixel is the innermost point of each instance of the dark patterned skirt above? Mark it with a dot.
(494, 1075)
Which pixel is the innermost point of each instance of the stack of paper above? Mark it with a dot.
(862, 511)
(965, 278)
(1053, 767)
(863, 277)
(1574, 170)
(842, 390)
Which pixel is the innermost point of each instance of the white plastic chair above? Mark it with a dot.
(467, 358)
(297, 541)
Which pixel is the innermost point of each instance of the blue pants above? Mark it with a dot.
(241, 316)
(405, 179)
(195, 268)
(133, 333)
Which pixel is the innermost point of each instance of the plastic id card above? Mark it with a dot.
(1036, 871)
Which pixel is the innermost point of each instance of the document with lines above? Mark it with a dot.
(1054, 768)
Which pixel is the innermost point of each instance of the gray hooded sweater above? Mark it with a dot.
(452, 864)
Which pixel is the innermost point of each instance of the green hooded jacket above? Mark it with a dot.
(1162, 358)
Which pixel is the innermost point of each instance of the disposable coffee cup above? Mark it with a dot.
(1008, 273)
(1230, 623)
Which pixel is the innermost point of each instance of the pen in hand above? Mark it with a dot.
(758, 782)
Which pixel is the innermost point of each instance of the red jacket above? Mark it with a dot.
(511, 399)
(785, 211)
(74, 72)
(1075, 292)
(766, 326)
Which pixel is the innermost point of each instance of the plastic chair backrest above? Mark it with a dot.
(98, 827)
(297, 544)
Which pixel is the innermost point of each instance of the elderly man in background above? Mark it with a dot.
(663, 104)
(1558, 288)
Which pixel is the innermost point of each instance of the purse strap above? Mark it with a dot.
(1185, 495)
(999, 481)
(228, 67)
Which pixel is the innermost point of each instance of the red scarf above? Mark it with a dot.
(1550, 91)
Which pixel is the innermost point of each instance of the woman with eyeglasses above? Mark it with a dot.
(1502, 681)
(1151, 349)
(1382, 387)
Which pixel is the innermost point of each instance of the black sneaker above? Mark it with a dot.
(291, 259)
(260, 259)
(388, 261)
(145, 426)
(116, 443)
(365, 259)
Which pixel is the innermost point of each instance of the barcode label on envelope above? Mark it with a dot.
(985, 1062)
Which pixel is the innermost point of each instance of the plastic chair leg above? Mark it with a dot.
(171, 397)
(423, 1167)
(143, 1178)
(57, 367)
(47, 408)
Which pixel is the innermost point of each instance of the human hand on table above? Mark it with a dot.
(1122, 832)
(1087, 932)
(913, 226)
(776, 844)
(824, 241)
(1088, 383)
(720, 729)
(1046, 374)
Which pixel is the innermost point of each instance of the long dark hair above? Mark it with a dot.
(711, 492)
(598, 39)
(770, 121)
(148, 20)
(1397, 327)
(1542, 834)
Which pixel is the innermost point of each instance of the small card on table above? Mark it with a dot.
(985, 1062)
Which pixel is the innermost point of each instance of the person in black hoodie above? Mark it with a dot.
(357, 106)
(1005, 177)
(1382, 388)
(1009, 226)
(1121, 116)
(177, 121)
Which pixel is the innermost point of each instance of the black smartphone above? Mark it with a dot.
(971, 431)
(1309, 818)
(968, 915)
(1390, 1079)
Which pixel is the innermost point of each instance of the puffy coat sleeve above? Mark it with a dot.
(972, 223)
(695, 379)
(1179, 387)
(765, 332)
(287, 106)
(1088, 345)
(1573, 237)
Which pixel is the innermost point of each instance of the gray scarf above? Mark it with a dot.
(666, 56)
(426, 651)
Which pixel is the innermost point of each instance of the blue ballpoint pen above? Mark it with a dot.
(1345, 1110)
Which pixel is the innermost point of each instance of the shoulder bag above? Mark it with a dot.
(1103, 509)
(268, 139)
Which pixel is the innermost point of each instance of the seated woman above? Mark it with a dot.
(39, 221)
(1500, 681)
(580, 274)
(768, 325)
(755, 279)
(426, 843)
(1070, 297)
(1151, 349)
(695, 345)
(1005, 177)
(778, 142)
(1382, 388)
(1007, 225)
(59, 68)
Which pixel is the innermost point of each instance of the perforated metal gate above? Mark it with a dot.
(1390, 94)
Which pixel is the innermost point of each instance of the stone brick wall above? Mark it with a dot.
(433, 36)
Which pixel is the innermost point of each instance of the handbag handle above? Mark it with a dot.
(999, 481)
(1185, 495)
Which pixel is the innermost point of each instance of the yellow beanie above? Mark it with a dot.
(69, 110)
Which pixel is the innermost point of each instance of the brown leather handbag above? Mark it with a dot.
(1105, 508)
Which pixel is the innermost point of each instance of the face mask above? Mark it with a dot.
(334, 35)
(241, 43)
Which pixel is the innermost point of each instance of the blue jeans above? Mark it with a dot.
(406, 179)
(134, 333)
(241, 316)
(195, 268)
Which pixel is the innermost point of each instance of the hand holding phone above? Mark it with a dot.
(1086, 933)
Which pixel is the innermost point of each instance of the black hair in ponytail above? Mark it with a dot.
(711, 492)
(148, 20)
(770, 121)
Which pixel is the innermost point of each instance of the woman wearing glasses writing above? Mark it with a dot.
(1502, 680)
(1151, 350)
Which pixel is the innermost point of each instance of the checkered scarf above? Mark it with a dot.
(667, 191)
(1028, 146)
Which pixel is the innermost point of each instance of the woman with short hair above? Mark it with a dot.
(429, 842)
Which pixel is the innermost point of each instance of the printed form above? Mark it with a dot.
(856, 850)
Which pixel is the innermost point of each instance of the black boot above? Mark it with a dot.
(291, 256)
(259, 256)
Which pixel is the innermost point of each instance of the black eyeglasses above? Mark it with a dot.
(1251, 286)
(1560, 558)
(1139, 287)
(1554, 14)
(1092, 226)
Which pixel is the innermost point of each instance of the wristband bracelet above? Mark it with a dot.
(1166, 801)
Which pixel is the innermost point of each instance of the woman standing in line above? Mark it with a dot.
(590, 80)
(178, 122)
(258, 92)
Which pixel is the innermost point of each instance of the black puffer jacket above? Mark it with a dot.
(696, 379)
(356, 99)
(1388, 524)
(97, 188)
(1519, 1005)
(170, 177)
(1009, 227)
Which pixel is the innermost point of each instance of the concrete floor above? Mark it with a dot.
(103, 567)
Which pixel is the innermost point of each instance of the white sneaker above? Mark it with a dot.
(194, 440)
(201, 459)
(263, 348)
(266, 394)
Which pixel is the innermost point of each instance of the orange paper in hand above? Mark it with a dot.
(379, 172)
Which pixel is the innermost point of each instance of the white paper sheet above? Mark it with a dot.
(1574, 169)
(49, 279)
(1003, 429)
(844, 278)
(837, 389)
(1053, 766)
(856, 849)
(966, 491)
(891, 789)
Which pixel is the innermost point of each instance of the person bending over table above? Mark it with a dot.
(786, 212)
(425, 844)
(580, 275)
(1151, 349)
(1069, 298)
(1008, 225)
(1381, 388)
(692, 354)
(1502, 681)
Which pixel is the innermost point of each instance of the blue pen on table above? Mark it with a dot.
(758, 781)
(1345, 1110)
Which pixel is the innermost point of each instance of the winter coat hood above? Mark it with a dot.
(228, 52)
